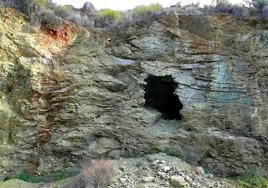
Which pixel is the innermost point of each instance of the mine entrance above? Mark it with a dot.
(160, 95)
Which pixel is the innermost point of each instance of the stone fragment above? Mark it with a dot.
(164, 168)
(155, 162)
(178, 181)
(162, 174)
(122, 168)
(200, 171)
(148, 179)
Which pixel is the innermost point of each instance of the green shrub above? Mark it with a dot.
(62, 11)
(108, 17)
(41, 3)
(169, 151)
(51, 21)
(111, 15)
(56, 176)
(252, 181)
(172, 152)
(130, 154)
(154, 151)
(220, 2)
(228, 8)
(32, 7)
(143, 10)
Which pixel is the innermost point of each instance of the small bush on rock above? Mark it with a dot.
(41, 3)
(108, 16)
(34, 6)
(190, 9)
(62, 11)
(98, 174)
(51, 21)
(225, 7)
(143, 10)
(173, 152)
(81, 20)
(234, 10)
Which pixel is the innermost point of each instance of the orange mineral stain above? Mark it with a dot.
(60, 37)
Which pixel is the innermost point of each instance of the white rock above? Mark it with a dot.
(164, 168)
(162, 174)
(178, 181)
(188, 179)
(148, 179)
(155, 162)
(210, 176)
(200, 170)
(167, 184)
(162, 162)
(123, 179)
(193, 184)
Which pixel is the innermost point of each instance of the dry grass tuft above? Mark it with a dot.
(98, 174)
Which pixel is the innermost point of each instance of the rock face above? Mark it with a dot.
(87, 100)
(89, 7)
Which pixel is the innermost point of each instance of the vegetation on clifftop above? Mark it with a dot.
(143, 10)
(109, 16)
(53, 15)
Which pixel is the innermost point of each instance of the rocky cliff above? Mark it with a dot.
(191, 85)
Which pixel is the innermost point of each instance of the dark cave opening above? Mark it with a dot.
(160, 95)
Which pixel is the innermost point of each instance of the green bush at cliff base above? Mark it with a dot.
(251, 181)
(169, 151)
(56, 176)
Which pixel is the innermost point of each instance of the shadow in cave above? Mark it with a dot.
(160, 95)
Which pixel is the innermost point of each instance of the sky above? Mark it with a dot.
(130, 4)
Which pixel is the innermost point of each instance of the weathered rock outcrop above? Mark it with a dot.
(87, 100)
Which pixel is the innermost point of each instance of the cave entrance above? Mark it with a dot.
(160, 95)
